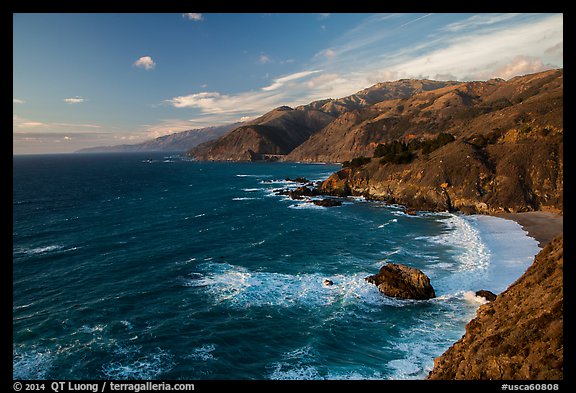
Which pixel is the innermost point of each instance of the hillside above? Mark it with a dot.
(176, 142)
(506, 153)
(518, 336)
(462, 109)
(276, 133)
(283, 129)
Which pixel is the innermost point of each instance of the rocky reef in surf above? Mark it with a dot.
(519, 335)
(401, 281)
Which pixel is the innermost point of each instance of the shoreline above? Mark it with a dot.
(541, 225)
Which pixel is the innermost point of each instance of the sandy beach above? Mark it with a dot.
(542, 226)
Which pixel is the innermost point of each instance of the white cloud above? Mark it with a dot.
(17, 101)
(520, 65)
(201, 100)
(279, 82)
(322, 80)
(478, 56)
(227, 108)
(20, 124)
(193, 16)
(415, 20)
(323, 16)
(74, 100)
(327, 53)
(145, 62)
(480, 20)
(264, 58)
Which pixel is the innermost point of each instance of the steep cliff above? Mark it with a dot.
(507, 153)
(520, 334)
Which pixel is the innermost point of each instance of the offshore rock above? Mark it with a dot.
(404, 282)
(326, 202)
(490, 296)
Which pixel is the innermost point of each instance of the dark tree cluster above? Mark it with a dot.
(397, 152)
(356, 162)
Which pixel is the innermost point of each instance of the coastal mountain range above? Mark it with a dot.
(174, 142)
(478, 147)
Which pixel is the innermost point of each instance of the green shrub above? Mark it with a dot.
(356, 162)
(401, 153)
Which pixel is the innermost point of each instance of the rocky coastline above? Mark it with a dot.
(518, 333)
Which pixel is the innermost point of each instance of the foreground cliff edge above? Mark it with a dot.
(519, 335)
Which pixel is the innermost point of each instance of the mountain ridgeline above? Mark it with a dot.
(277, 133)
(176, 142)
(475, 146)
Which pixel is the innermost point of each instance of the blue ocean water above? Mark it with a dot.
(152, 266)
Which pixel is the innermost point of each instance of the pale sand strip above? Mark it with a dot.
(542, 226)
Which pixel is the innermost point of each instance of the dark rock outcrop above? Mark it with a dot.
(326, 202)
(520, 334)
(400, 281)
(488, 295)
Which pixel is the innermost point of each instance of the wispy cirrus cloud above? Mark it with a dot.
(280, 82)
(476, 21)
(285, 90)
(19, 124)
(145, 62)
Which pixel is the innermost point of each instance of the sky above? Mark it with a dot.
(85, 80)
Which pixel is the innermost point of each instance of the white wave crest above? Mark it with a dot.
(136, 366)
(203, 353)
(240, 287)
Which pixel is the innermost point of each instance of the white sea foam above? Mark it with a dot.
(243, 199)
(296, 365)
(136, 366)
(394, 220)
(31, 365)
(306, 205)
(471, 297)
(464, 237)
(245, 175)
(203, 353)
(251, 189)
(241, 287)
(42, 250)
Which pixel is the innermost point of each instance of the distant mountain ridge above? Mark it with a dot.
(176, 142)
(283, 129)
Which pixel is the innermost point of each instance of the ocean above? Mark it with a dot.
(154, 266)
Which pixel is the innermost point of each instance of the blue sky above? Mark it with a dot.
(83, 80)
